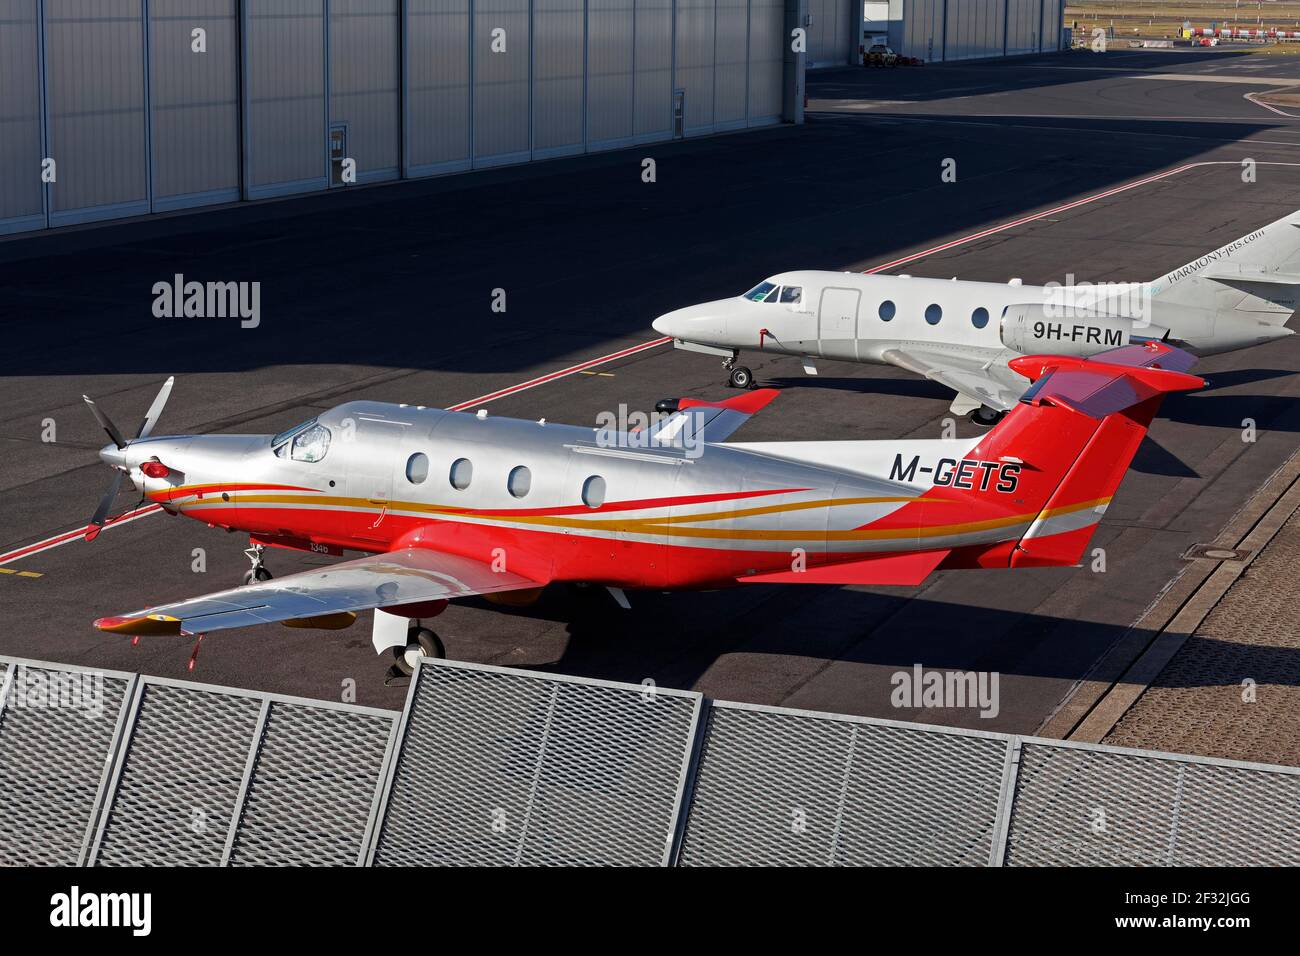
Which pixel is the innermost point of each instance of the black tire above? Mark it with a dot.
(426, 641)
(741, 377)
(258, 574)
(986, 417)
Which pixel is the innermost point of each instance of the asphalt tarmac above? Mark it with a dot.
(385, 293)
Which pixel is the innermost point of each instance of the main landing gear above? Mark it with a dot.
(420, 642)
(986, 417)
(258, 571)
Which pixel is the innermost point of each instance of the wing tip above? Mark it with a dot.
(140, 625)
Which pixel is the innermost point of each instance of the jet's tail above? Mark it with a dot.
(1253, 279)
(1065, 447)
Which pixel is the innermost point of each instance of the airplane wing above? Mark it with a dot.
(328, 596)
(981, 375)
(703, 421)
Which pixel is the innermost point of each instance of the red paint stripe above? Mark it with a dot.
(993, 230)
(562, 373)
(67, 536)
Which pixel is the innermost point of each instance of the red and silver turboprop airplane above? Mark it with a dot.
(449, 504)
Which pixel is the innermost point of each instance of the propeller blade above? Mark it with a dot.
(105, 423)
(105, 506)
(155, 410)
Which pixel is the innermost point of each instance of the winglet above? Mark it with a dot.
(747, 402)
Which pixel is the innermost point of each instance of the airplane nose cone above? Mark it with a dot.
(695, 323)
(661, 325)
(112, 455)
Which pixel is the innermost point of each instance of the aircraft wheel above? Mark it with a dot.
(256, 574)
(741, 377)
(986, 417)
(420, 642)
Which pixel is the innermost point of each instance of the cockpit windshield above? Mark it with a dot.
(763, 292)
(284, 436)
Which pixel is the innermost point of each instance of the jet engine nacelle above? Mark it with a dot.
(1064, 330)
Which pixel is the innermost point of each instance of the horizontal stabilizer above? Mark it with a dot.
(694, 420)
(1109, 382)
(905, 570)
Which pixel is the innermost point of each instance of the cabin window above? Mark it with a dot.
(791, 293)
(979, 318)
(933, 314)
(886, 310)
(311, 444)
(519, 481)
(461, 474)
(593, 491)
(417, 468)
(760, 291)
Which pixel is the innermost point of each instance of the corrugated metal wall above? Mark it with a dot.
(284, 96)
(559, 49)
(611, 71)
(938, 30)
(438, 86)
(654, 69)
(194, 102)
(138, 120)
(766, 30)
(365, 84)
(96, 113)
(831, 34)
(974, 29)
(22, 194)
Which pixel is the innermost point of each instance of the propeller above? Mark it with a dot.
(146, 428)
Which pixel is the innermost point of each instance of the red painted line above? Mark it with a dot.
(993, 230)
(571, 370)
(39, 546)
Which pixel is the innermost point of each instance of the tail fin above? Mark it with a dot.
(1072, 437)
(1254, 278)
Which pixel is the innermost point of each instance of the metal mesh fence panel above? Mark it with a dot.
(1077, 807)
(784, 788)
(312, 787)
(56, 734)
(500, 768)
(180, 779)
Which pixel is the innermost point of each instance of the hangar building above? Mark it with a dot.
(139, 112)
(933, 31)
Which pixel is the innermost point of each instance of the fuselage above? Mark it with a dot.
(856, 317)
(560, 502)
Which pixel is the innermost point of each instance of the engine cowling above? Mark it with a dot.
(1062, 330)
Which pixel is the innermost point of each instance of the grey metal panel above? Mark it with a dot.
(695, 62)
(285, 96)
(315, 777)
(365, 70)
(731, 63)
(1022, 17)
(780, 787)
(509, 767)
(501, 82)
(180, 778)
(22, 195)
(95, 85)
(1077, 806)
(558, 61)
(611, 71)
(654, 69)
(766, 36)
(438, 85)
(194, 102)
(58, 729)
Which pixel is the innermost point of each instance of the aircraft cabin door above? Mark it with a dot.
(374, 447)
(837, 323)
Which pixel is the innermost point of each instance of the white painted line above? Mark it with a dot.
(1271, 109)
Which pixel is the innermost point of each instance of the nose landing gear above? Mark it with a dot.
(258, 572)
(740, 377)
